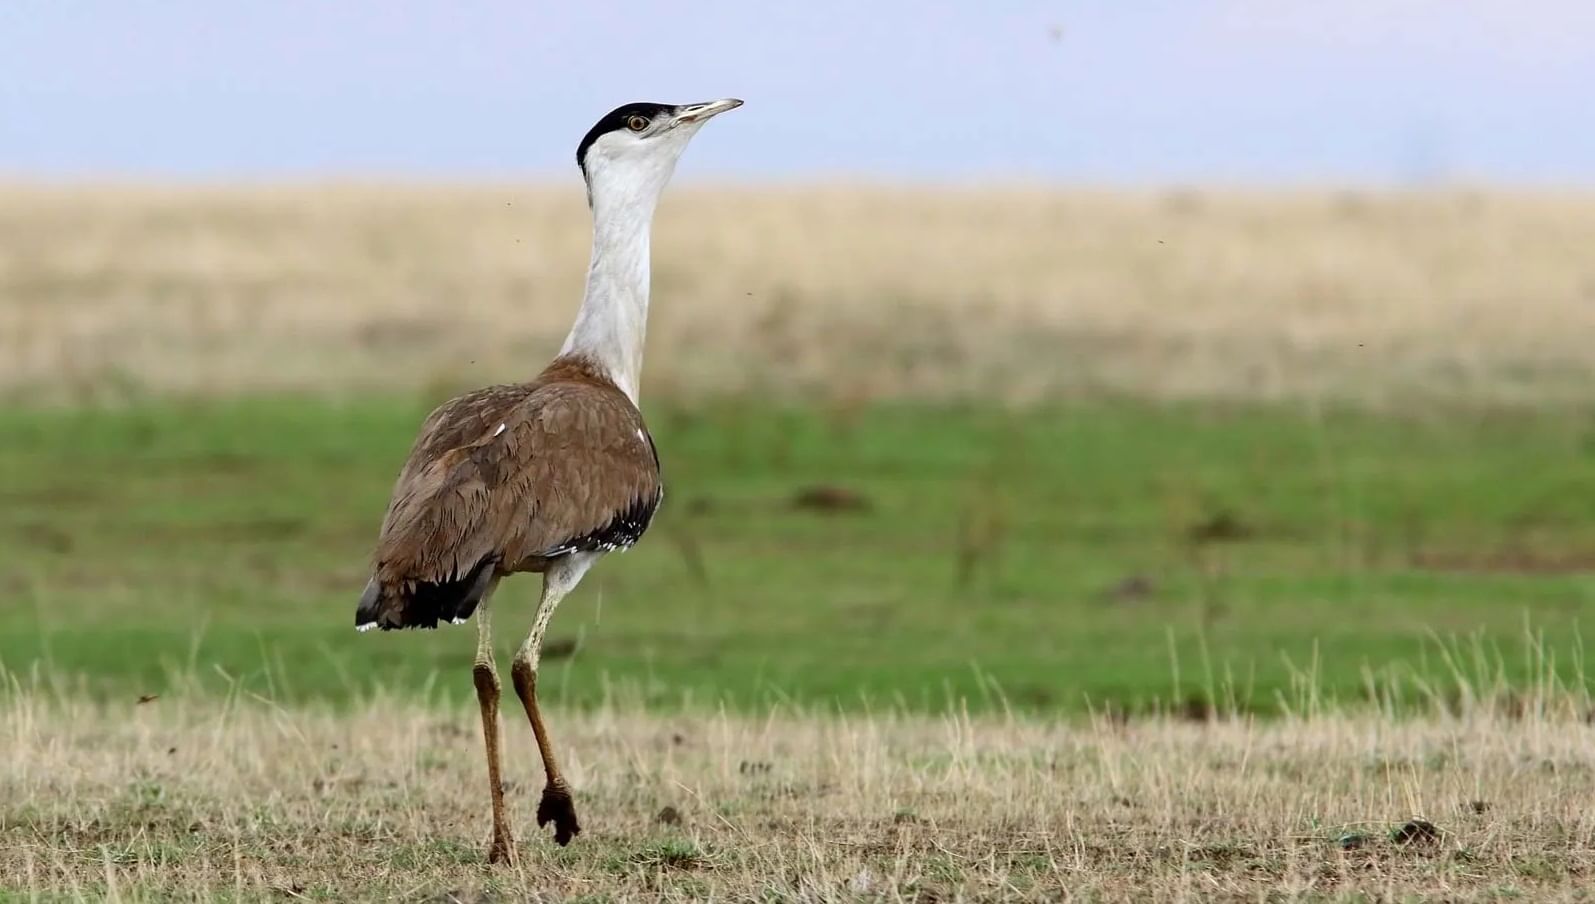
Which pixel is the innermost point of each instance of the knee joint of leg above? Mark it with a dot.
(485, 677)
(524, 674)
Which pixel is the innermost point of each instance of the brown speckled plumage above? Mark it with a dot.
(505, 479)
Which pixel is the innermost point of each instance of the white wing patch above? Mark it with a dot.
(365, 627)
(500, 429)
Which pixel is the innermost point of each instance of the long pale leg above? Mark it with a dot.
(556, 805)
(485, 675)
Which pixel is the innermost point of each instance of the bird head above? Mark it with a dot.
(630, 154)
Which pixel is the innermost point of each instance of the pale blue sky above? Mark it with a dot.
(1120, 91)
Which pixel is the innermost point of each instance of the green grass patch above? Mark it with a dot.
(1116, 554)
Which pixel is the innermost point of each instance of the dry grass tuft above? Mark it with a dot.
(849, 294)
(197, 799)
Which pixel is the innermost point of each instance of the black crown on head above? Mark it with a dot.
(615, 120)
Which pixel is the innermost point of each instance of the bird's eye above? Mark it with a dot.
(637, 123)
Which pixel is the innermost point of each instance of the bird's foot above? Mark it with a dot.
(501, 850)
(558, 808)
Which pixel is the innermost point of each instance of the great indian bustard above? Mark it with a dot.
(544, 476)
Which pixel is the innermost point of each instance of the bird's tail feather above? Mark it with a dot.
(422, 604)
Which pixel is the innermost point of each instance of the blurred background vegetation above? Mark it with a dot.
(1034, 448)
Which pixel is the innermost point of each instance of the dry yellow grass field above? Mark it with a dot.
(858, 292)
(193, 799)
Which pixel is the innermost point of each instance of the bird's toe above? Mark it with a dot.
(558, 808)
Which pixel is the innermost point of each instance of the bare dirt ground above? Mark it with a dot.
(851, 292)
(187, 798)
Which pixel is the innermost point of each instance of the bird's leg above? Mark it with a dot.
(485, 675)
(556, 805)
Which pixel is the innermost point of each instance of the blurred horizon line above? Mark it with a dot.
(12, 180)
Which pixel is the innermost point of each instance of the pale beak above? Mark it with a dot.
(699, 112)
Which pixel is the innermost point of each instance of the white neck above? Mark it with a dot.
(625, 176)
(613, 320)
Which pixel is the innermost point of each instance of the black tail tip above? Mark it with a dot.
(367, 613)
(423, 604)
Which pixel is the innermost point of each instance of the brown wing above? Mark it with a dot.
(504, 479)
